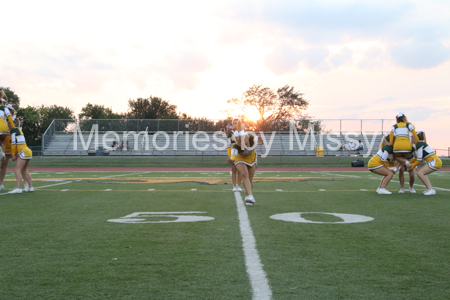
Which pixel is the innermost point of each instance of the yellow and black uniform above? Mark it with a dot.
(426, 152)
(231, 141)
(19, 145)
(383, 158)
(247, 156)
(400, 132)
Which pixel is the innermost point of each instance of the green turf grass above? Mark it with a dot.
(59, 245)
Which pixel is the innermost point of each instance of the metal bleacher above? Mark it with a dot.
(277, 144)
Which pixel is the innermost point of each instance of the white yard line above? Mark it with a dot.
(121, 175)
(40, 187)
(415, 184)
(258, 280)
(341, 175)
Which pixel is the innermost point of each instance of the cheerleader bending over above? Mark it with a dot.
(382, 164)
(243, 154)
(433, 162)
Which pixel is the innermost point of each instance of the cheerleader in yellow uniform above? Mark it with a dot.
(382, 163)
(243, 154)
(22, 155)
(5, 119)
(4, 163)
(433, 162)
(399, 137)
(231, 140)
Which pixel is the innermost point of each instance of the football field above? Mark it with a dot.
(186, 235)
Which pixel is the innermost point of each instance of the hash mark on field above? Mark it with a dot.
(64, 190)
(322, 190)
(151, 189)
(279, 190)
(364, 190)
(258, 279)
(108, 190)
(193, 189)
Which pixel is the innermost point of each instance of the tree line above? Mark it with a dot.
(271, 105)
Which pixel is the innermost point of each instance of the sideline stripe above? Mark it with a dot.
(256, 274)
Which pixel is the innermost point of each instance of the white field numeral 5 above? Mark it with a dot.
(172, 217)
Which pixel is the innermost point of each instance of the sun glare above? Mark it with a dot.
(252, 115)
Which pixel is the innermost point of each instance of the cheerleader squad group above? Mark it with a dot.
(402, 150)
(398, 154)
(13, 146)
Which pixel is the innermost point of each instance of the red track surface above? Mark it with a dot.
(193, 169)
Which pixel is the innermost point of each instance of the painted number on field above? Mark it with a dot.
(158, 217)
(297, 217)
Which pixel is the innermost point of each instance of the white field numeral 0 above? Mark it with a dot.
(172, 217)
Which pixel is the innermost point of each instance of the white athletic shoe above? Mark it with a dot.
(412, 190)
(15, 191)
(235, 188)
(1, 187)
(249, 200)
(239, 188)
(25, 187)
(430, 192)
(402, 191)
(30, 190)
(378, 189)
(384, 192)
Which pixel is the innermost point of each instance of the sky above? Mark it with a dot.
(351, 59)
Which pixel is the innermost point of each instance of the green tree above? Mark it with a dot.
(151, 108)
(30, 124)
(284, 103)
(13, 99)
(274, 107)
(95, 111)
(36, 120)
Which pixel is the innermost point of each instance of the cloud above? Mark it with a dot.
(410, 35)
(283, 59)
(343, 56)
(315, 57)
(373, 58)
(421, 113)
(183, 66)
(286, 59)
(419, 55)
(325, 21)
